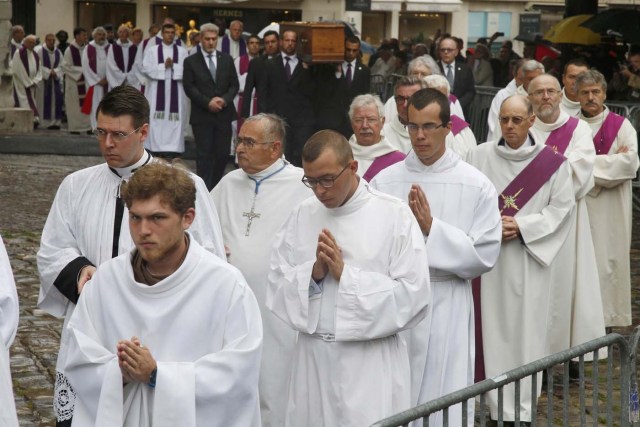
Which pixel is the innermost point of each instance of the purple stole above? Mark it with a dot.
(452, 98)
(226, 45)
(160, 101)
(52, 87)
(603, 139)
(16, 103)
(77, 62)
(118, 56)
(560, 138)
(457, 125)
(92, 54)
(25, 62)
(513, 198)
(382, 162)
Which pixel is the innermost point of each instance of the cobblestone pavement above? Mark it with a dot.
(27, 187)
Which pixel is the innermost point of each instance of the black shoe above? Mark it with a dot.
(35, 125)
(54, 127)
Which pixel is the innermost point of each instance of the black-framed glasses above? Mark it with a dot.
(326, 182)
(517, 120)
(116, 136)
(412, 128)
(249, 142)
(401, 99)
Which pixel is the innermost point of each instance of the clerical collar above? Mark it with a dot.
(527, 143)
(548, 127)
(126, 172)
(260, 177)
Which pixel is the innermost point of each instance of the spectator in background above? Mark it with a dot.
(457, 72)
(625, 84)
(385, 62)
(482, 70)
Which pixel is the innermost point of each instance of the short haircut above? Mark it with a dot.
(366, 100)
(125, 100)
(137, 30)
(274, 127)
(78, 30)
(97, 30)
(290, 31)
(124, 26)
(577, 62)
(254, 36)
(168, 26)
(209, 27)
(591, 77)
(525, 100)
(437, 81)
(352, 39)
(154, 27)
(235, 22)
(449, 37)
(531, 65)
(324, 140)
(16, 28)
(271, 33)
(424, 97)
(545, 75)
(169, 181)
(426, 61)
(409, 81)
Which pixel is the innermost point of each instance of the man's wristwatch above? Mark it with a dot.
(152, 378)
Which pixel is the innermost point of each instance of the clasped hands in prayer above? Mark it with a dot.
(510, 229)
(328, 257)
(135, 361)
(420, 208)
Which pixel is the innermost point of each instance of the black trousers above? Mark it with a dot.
(213, 142)
(297, 136)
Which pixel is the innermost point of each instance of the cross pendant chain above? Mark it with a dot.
(250, 216)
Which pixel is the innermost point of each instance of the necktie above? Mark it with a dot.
(450, 76)
(348, 76)
(287, 68)
(212, 67)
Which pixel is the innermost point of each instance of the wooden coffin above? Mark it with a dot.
(318, 42)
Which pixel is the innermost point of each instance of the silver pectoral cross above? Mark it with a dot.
(250, 215)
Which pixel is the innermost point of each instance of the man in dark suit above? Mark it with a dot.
(458, 73)
(337, 86)
(212, 109)
(271, 42)
(287, 90)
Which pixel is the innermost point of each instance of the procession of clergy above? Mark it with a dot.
(339, 293)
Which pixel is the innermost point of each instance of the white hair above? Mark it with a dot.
(366, 100)
(209, 27)
(426, 61)
(97, 30)
(439, 82)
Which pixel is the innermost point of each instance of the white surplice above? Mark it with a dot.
(461, 143)
(516, 294)
(116, 76)
(76, 120)
(570, 107)
(276, 196)
(350, 366)
(166, 131)
(93, 77)
(576, 311)
(8, 328)
(25, 81)
(464, 242)
(46, 76)
(495, 132)
(81, 225)
(367, 154)
(391, 111)
(201, 325)
(396, 134)
(610, 213)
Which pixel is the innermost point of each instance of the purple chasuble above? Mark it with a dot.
(52, 87)
(118, 56)
(77, 62)
(382, 162)
(226, 46)
(160, 101)
(603, 139)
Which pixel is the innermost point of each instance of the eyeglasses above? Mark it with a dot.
(401, 99)
(116, 136)
(413, 128)
(360, 120)
(249, 142)
(517, 120)
(326, 182)
(540, 92)
(446, 49)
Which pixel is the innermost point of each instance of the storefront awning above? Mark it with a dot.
(417, 5)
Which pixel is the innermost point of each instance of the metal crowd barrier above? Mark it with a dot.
(615, 397)
(479, 111)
